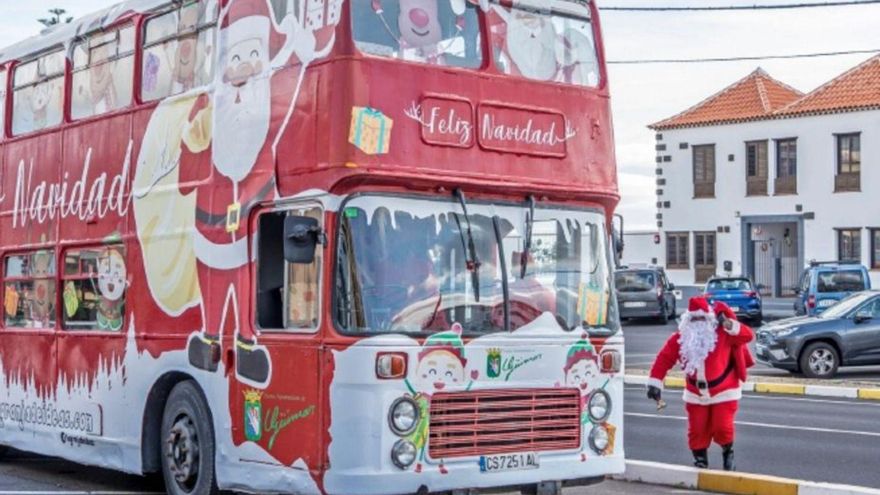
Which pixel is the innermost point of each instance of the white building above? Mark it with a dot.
(642, 247)
(759, 179)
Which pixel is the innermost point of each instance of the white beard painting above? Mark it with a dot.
(697, 339)
(531, 46)
(241, 125)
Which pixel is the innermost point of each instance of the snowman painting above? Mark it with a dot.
(441, 367)
(112, 282)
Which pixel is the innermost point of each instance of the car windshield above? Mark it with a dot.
(840, 281)
(845, 305)
(729, 284)
(405, 266)
(634, 281)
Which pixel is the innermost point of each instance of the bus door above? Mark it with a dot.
(283, 415)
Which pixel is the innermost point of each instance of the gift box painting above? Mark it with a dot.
(592, 303)
(370, 130)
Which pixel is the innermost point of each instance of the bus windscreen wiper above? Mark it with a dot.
(530, 223)
(505, 290)
(472, 261)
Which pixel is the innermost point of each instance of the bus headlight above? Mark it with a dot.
(599, 406)
(403, 417)
(599, 439)
(403, 454)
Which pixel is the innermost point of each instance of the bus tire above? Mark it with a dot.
(187, 442)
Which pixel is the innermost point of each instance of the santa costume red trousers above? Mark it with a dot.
(711, 422)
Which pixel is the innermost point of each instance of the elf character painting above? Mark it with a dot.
(712, 348)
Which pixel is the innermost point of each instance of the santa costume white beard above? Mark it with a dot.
(533, 51)
(697, 338)
(241, 124)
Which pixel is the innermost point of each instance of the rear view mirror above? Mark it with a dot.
(862, 316)
(301, 238)
(671, 286)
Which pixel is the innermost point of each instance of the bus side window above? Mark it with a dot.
(94, 286)
(29, 290)
(38, 93)
(288, 295)
(103, 69)
(179, 50)
(2, 107)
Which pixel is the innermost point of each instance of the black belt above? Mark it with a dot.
(703, 385)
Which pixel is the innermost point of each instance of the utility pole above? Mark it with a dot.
(56, 18)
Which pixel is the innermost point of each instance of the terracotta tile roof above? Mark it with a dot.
(754, 97)
(856, 89)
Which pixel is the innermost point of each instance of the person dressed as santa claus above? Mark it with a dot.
(712, 348)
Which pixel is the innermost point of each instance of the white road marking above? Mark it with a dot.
(762, 396)
(768, 425)
(95, 492)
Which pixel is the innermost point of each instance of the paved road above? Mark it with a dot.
(22, 472)
(803, 438)
(644, 339)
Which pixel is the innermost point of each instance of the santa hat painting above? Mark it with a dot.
(246, 18)
(581, 350)
(449, 341)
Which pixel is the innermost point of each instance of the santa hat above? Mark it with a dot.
(699, 306)
(449, 341)
(246, 18)
(580, 351)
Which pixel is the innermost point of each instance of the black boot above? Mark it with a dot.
(727, 451)
(701, 458)
(203, 351)
(252, 361)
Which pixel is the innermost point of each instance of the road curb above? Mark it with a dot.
(778, 388)
(736, 483)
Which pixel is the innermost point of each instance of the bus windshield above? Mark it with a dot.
(405, 266)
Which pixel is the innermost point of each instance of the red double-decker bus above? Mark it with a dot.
(313, 246)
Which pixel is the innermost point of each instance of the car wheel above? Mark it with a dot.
(673, 314)
(188, 443)
(663, 319)
(819, 360)
(758, 320)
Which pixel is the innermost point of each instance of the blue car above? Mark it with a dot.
(739, 294)
(822, 284)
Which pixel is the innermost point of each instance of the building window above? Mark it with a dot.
(29, 290)
(103, 70)
(786, 167)
(677, 256)
(179, 49)
(875, 249)
(38, 93)
(93, 289)
(849, 163)
(704, 171)
(756, 168)
(288, 294)
(704, 255)
(849, 245)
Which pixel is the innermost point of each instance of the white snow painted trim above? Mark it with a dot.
(828, 391)
(660, 474)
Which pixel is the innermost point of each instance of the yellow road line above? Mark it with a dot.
(745, 484)
(780, 388)
(869, 393)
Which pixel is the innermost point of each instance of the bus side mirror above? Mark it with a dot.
(301, 238)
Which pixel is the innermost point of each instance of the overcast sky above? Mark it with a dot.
(644, 94)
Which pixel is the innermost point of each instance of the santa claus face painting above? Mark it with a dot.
(531, 44)
(112, 276)
(242, 97)
(419, 23)
(438, 371)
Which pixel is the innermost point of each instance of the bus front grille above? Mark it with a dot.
(464, 424)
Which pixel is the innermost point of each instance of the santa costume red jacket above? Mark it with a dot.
(717, 366)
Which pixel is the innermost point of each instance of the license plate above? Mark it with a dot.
(824, 303)
(508, 462)
(734, 308)
(761, 351)
(637, 304)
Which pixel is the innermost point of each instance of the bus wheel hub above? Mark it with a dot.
(182, 451)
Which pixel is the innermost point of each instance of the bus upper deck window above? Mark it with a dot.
(103, 69)
(545, 45)
(2, 104)
(29, 290)
(179, 50)
(38, 94)
(425, 31)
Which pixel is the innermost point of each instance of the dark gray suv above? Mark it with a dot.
(845, 334)
(644, 293)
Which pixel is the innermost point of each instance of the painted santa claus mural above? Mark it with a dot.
(230, 136)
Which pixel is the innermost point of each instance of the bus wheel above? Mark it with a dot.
(187, 443)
